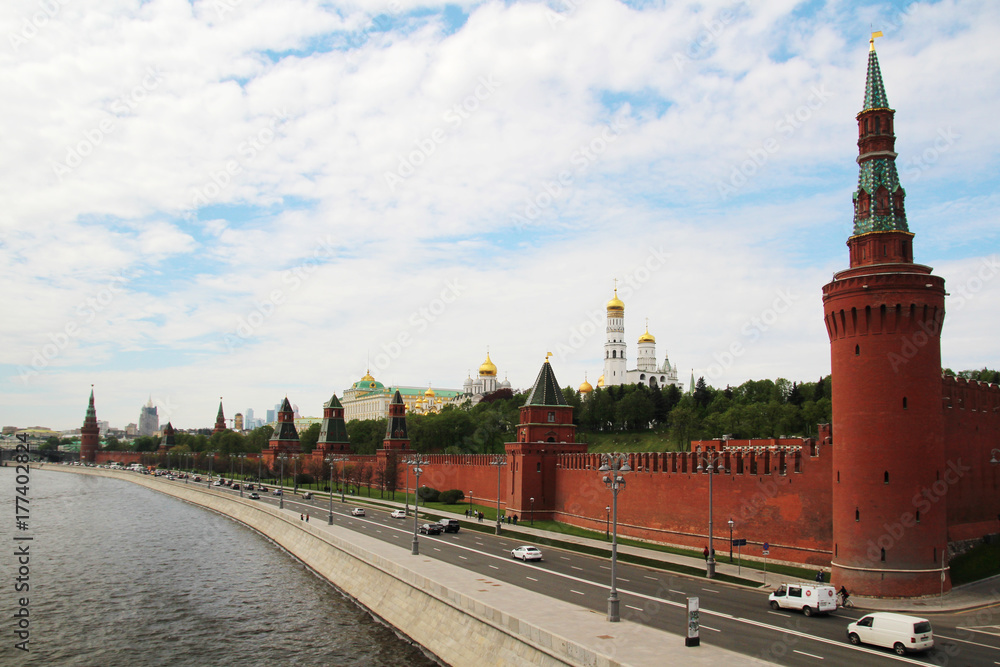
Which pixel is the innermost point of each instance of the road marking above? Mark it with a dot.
(636, 608)
(678, 592)
(480, 544)
(494, 567)
(462, 557)
(776, 613)
(708, 628)
(646, 576)
(436, 549)
(564, 557)
(532, 578)
(576, 568)
(624, 579)
(709, 590)
(956, 639)
(577, 592)
(605, 567)
(818, 657)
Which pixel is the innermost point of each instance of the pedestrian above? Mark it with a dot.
(307, 518)
(819, 576)
(515, 519)
(705, 553)
(300, 517)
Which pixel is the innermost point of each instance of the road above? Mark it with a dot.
(732, 617)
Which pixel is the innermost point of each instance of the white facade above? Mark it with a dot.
(485, 383)
(647, 371)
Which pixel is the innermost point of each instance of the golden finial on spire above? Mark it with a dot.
(547, 355)
(871, 42)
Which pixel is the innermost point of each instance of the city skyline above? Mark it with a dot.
(241, 205)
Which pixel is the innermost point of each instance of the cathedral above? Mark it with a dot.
(486, 383)
(646, 370)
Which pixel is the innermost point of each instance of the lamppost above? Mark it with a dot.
(259, 457)
(295, 474)
(281, 482)
(470, 502)
(342, 459)
(711, 468)
(731, 524)
(187, 475)
(499, 461)
(416, 462)
(617, 465)
(242, 457)
(331, 460)
(406, 490)
(607, 522)
(531, 510)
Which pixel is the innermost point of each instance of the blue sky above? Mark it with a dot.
(257, 199)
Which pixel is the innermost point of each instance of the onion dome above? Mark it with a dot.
(616, 304)
(430, 393)
(647, 337)
(505, 384)
(586, 387)
(600, 381)
(488, 368)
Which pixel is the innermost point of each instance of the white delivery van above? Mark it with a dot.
(809, 598)
(899, 632)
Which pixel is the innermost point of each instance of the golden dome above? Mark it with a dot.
(368, 377)
(429, 392)
(488, 368)
(586, 387)
(616, 303)
(600, 381)
(647, 337)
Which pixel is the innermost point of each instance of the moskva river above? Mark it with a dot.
(119, 575)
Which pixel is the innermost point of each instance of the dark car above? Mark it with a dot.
(431, 528)
(449, 525)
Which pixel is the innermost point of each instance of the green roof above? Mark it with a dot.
(546, 390)
(874, 90)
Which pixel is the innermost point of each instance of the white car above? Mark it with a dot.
(358, 511)
(398, 514)
(526, 553)
(899, 632)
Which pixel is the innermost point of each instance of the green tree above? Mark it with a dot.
(309, 437)
(366, 435)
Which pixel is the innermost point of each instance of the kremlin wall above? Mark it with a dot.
(902, 477)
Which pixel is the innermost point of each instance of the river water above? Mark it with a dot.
(123, 576)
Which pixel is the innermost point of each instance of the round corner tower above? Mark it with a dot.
(884, 316)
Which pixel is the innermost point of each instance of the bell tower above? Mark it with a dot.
(884, 316)
(90, 433)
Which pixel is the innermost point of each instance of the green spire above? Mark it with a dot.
(874, 89)
(546, 390)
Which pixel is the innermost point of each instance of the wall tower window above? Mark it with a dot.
(885, 477)
(552, 416)
(857, 350)
(904, 402)
(883, 554)
(857, 514)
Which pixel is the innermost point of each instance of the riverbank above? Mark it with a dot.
(459, 616)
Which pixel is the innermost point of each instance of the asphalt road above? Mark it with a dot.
(732, 617)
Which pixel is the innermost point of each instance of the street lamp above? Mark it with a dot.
(406, 490)
(607, 522)
(531, 510)
(211, 457)
(259, 457)
(731, 524)
(499, 461)
(470, 502)
(242, 457)
(617, 465)
(331, 460)
(416, 462)
(711, 468)
(281, 482)
(295, 474)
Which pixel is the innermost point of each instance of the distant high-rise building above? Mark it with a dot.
(149, 420)
(237, 422)
(270, 416)
(248, 419)
(102, 427)
(131, 430)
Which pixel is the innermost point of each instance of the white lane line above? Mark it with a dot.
(436, 549)
(705, 627)
(462, 557)
(636, 608)
(577, 592)
(646, 576)
(956, 639)
(818, 657)
(776, 613)
(564, 557)
(709, 590)
(494, 567)
(532, 578)
(624, 579)
(605, 567)
(678, 592)
(576, 568)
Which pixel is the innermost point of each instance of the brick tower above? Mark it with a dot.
(333, 432)
(90, 433)
(396, 437)
(545, 430)
(220, 420)
(884, 316)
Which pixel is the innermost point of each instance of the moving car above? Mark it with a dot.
(254, 496)
(809, 598)
(450, 525)
(218, 482)
(431, 528)
(398, 514)
(358, 511)
(899, 632)
(276, 492)
(307, 495)
(526, 552)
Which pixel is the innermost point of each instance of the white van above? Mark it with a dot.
(809, 598)
(899, 632)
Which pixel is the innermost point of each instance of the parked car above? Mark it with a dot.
(218, 482)
(197, 478)
(809, 598)
(248, 487)
(398, 514)
(276, 492)
(236, 487)
(431, 528)
(526, 552)
(899, 632)
(450, 525)
(307, 495)
(358, 511)
(261, 487)
(254, 496)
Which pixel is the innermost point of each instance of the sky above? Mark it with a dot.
(253, 199)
